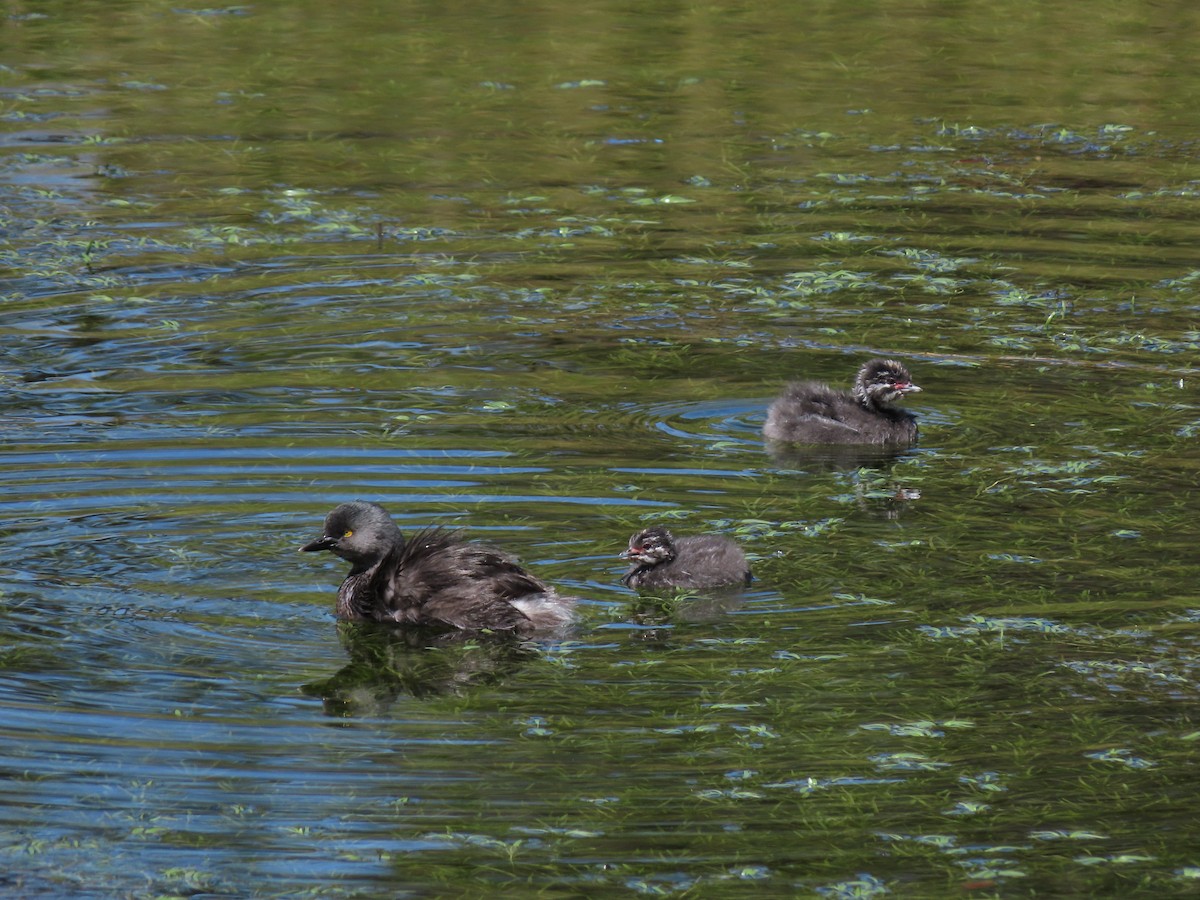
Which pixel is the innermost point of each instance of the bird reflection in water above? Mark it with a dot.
(387, 663)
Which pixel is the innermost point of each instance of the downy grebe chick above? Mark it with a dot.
(661, 560)
(433, 578)
(808, 412)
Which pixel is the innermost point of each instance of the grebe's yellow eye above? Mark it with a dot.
(347, 533)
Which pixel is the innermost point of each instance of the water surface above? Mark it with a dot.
(538, 273)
